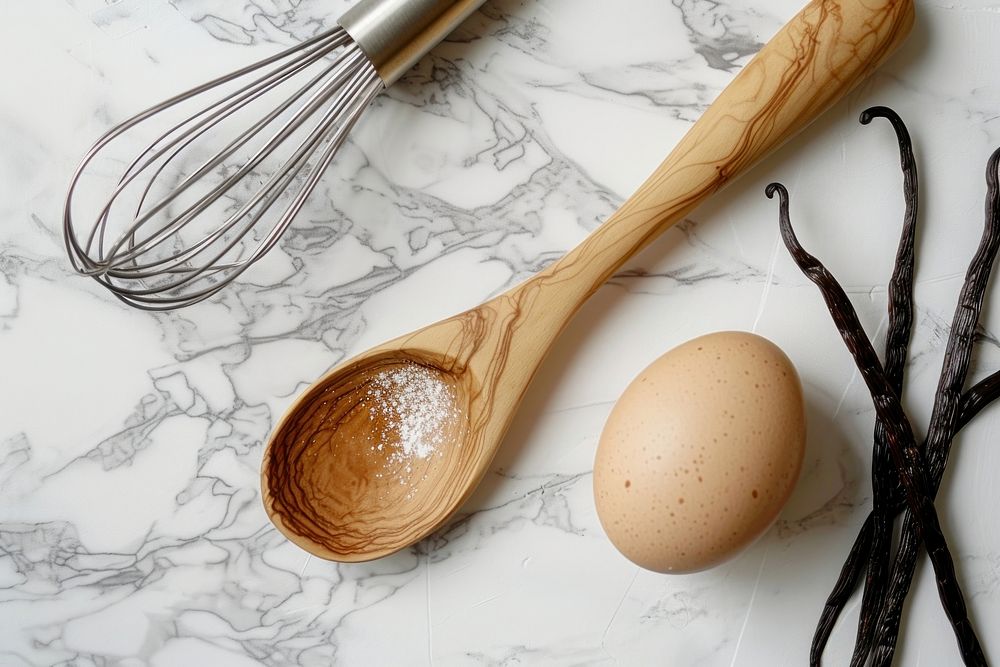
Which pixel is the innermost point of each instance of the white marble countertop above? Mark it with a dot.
(131, 527)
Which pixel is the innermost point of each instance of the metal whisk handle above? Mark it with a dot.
(395, 34)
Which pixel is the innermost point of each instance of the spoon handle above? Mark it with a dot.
(813, 61)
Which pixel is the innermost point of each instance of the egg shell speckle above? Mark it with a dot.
(701, 452)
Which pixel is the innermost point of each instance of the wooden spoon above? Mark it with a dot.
(383, 449)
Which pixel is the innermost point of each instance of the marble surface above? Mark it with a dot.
(131, 528)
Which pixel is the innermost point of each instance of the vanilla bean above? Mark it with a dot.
(850, 573)
(947, 410)
(885, 483)
(974, 400)
(874, 539)
(906, 456)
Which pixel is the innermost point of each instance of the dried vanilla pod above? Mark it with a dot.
(885, 483)
(907, 458)
(947, 409)
(878, 524)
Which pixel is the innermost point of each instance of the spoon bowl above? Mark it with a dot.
(383, 449)
(359, 468)
(379, 452)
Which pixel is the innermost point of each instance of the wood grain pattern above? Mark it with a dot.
(327, 495)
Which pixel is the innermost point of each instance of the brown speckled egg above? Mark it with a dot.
(701, 452)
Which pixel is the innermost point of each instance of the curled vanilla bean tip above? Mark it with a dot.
(878, 111)
(784, 218)
(777, 188)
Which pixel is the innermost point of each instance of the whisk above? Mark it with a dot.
(218, 183)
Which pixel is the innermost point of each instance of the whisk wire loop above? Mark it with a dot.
(243, 171)
(160, 256)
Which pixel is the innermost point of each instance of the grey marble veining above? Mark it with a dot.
(131, 529)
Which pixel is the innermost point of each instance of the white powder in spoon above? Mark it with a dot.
(416, 406)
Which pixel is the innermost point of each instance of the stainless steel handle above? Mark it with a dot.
(395, 34)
